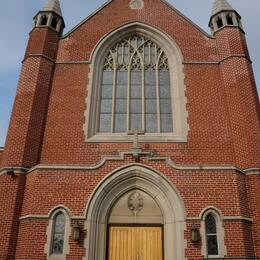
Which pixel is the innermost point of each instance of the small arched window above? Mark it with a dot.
(54, 22)
(44, 20)
(229, 20)
(219, 22)
(211, 235)
(58, 232)
(57, 243)
(135, 88)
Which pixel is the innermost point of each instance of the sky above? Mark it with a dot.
(16, 19)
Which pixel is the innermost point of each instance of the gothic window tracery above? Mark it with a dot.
(135, 88)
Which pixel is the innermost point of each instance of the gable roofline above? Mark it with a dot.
(163, 1)
(87, 18)
(187, 19)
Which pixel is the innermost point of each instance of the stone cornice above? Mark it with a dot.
(231, 218)
(37, 55)
(121, 156)
(46, 217)
(87, 62)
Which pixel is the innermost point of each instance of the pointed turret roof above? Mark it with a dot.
(53, 6)
(221, 5)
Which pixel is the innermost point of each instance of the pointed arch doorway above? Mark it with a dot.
(135, 207)
(135, 229)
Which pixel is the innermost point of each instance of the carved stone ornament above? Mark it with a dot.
(135, 202)
(136, 4)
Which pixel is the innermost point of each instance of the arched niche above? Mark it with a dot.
(158, 190)
(136, 207)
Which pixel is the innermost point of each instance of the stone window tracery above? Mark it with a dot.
(135, 88)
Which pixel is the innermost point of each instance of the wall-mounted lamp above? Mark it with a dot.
(76, 232)
(195, 236)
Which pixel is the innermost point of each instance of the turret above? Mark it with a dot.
(238, 83)
(223, 15)
(50, 16)
(24, 138)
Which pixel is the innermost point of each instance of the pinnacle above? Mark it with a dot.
(54, 6)
(221, 5)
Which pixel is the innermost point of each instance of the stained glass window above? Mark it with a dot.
(211, 234)
(58, 234)
(135, 88)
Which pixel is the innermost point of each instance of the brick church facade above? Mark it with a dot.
(135, 136)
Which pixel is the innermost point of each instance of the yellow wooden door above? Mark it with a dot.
(135, 243)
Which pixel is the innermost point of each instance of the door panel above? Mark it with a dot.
(122, 243)
(135, 243)
(149, 245)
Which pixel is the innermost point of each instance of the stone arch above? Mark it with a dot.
(175, 57)
(117, 184)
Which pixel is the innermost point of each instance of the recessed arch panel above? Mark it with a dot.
(118, 184)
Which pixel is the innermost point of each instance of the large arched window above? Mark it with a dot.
(135, 88)
(136, 82)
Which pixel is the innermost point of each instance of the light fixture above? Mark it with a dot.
(195, 236)
(76, 232)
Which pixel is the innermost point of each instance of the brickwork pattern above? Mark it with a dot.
(47, 128)
(46, 189)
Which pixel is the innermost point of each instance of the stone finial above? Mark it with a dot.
(53, 6)
(221, 5)
(50, 16)
(223, 15)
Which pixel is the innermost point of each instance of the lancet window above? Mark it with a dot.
(57, 244)
(211, 235)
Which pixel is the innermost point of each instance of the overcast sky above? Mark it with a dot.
(16, 22)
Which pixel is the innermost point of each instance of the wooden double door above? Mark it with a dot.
(135, 243)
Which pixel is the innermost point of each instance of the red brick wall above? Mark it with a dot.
(198, 189)
(26, 128)
(11, 197)
(241, 97)
(254, 197)
(47, 127)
